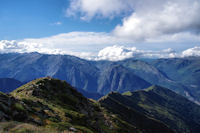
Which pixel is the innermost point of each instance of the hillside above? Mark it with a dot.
(120, 79)
(53, 103)
(48, 104)
(158, 103)
(184, 71)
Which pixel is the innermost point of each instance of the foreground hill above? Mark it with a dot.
(51, 105)
(158, 103)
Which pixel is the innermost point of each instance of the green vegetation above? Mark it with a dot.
(128, 93)
(54, 105)
(185, 71)
(19, 107)
(160, 106)
(49, 105)
(16, 127)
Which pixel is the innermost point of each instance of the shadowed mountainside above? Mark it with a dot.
(156, 102)
(9, 84)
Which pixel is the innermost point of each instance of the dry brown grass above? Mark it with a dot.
(16, 127)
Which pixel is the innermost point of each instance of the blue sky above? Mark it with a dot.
(93, 28)
(21, 19)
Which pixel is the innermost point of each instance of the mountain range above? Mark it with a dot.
(97, 78)
(52, 105)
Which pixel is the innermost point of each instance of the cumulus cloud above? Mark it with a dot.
(164, 22)
(20, 47)
(23, 46)
(112, 53)
(82, 44)
(191, 52)
(150, 20)
(92, 42)
(104, 8)
(168, 19)
(115, 53)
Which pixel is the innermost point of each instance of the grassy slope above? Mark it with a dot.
(158, 103)
(55, 105)
(183, 70)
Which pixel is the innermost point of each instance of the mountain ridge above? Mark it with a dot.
(89, 76)
(54, 104)
(159, 103)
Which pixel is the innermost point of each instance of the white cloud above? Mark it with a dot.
(168, 19)
(15, 46)
(80, 41)
(165, 22)
(103, 8)
(176, 37)
(112, 53)
(191, 52)
(23, 46)
(150, 21)
(115, 53)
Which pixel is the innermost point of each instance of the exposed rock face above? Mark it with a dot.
(11, 109)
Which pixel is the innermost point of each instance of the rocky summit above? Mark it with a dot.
(51, 105)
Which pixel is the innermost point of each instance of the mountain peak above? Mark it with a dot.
(153, 87)
(50, 89)
(42, 85)
(54, 103)
(128, 93)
